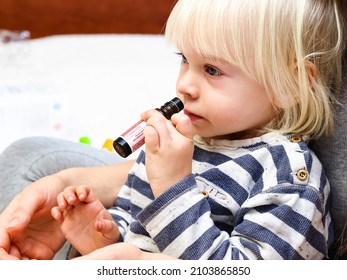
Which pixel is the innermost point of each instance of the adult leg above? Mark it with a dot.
(32, 158)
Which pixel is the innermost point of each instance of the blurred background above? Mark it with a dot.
(51, 17)
(82, 69)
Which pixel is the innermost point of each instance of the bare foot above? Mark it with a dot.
(85, 222)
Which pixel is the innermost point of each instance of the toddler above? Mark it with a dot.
(233, 176)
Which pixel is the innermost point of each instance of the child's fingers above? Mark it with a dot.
(161, 129)
(183, 125)
(152, 138)
(151, 113)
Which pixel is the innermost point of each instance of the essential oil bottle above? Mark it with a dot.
(133, 138)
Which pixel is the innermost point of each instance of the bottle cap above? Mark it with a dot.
(178, 103)
(171, 107)
(122, 147)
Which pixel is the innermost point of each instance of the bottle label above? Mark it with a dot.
(134, 135)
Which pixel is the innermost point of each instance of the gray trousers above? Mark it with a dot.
(32, 158)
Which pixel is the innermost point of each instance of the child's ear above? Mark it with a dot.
(312, 72)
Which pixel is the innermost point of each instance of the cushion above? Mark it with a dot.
(332, 151)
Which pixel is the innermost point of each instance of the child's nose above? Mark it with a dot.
(188, 84)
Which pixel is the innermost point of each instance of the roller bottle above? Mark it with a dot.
(133, 138)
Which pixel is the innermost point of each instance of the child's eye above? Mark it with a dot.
(183, 58)
(212, 71)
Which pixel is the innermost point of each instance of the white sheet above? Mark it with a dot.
(82, 85)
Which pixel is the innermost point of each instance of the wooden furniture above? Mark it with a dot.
(51, 17)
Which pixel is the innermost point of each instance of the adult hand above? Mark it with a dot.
(27, 229)
(169, 149)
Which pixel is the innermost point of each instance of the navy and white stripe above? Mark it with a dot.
(257, 208)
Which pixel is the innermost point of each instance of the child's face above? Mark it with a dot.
(221, 100)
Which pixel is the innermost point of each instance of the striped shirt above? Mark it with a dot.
(260, 198)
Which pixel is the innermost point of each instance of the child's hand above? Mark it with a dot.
(169, 149)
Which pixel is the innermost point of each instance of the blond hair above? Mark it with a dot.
(276, 42)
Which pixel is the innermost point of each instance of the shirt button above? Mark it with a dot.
(302, 174)
(205, 194)
(296, 139)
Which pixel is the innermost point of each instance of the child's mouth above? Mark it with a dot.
(193, 117)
